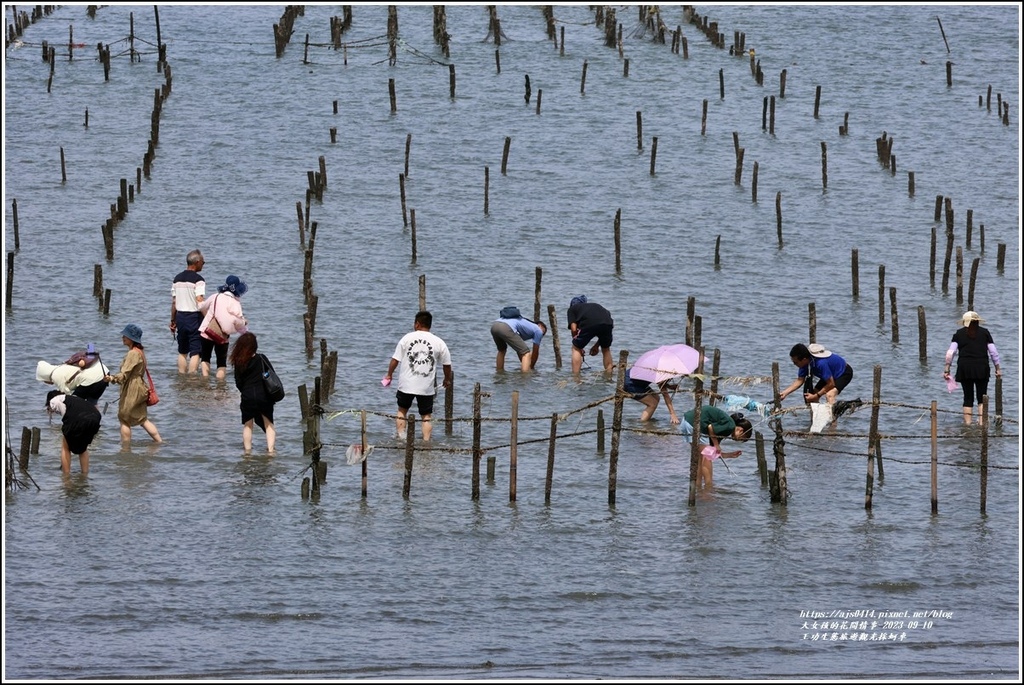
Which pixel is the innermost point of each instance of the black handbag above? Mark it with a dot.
(271, 383)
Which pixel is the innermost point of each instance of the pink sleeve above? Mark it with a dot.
(950, 352)
(993, 353)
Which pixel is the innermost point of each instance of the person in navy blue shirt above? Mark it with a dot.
(814, 361)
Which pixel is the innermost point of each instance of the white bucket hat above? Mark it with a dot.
(971, 316)
(818, 351)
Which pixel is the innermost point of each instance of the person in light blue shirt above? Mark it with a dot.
(514, 332)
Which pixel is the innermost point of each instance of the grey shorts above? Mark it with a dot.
(505, 337)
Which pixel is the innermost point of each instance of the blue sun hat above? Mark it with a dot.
(133, 333)
(234, 285)
(579, 299)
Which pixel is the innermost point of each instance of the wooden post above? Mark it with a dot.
(817, 100)
(691, 306)
(983, 410)
(504, 155)
(974, 277)
(938, 208)
(613, 457)
(824, 166)
(771, 115)
(718, 246)
(778, 215)
(476, 442)
(410, 441)
(872, 437)
(931, 270)
(910, 184)
(365, 446)
(487, 190)
(639, 131)
(922, 336)
(895, 318)
(999, 399)
(26, 444)
(401, 190)
(695, 455)
(491, 464)
(654, 152)
(1000, 252)
(583, 79)
(878, 459)
(812, 323)
(935, 457)
(449, 405)
(408, 147)
(551, 457)
(423, 292)
(739, 166)
(753, 187)
(881, 294)
(10, 281)
(704, 119)
(540, 94)
(618, 241)
(970, 228)
(391, 94)
(513, 450)
(552, 326)
(600, 431)
(451, 81)
(855, 271)
(412, 220)
(782, 84)
(63, 168)
(762, 463)
(949, 74)
(959, 275)
(538, 274)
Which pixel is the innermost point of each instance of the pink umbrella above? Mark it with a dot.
(665, 362)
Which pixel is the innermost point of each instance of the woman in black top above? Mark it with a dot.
(974, 346)
(256, 405)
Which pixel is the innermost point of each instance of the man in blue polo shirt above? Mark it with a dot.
(815, 361)
(187, 290)
(513, 332)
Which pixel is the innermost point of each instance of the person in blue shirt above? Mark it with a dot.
(514, 332)
(814, 361)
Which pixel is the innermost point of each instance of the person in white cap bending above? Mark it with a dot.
(831, 370)
(974, 346)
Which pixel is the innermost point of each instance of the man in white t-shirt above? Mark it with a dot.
(419, 353)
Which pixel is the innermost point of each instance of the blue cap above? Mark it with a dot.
(133, 333)
(579, 299)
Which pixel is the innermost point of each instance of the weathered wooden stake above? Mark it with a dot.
(391, 94)
(1000, 253)
(639, 131)
(451, 81)
(922, 335)
(504, 155)
(753, 187)
(551, 457)
(983, 414)
(778, 215)
(762, 463)
(817, 100)
(449, 405)
(600, 431)
(476, 442)
(618, 241)
(959, 275)
(718, 246)
(782, 84)
(935, 457)
(412, 219)
(553, 328)
(513, 450)
(423, 292)
(721, 84)
(910, 183)
(540, 94)
(824, 166)
(855, 272)
(538, 274)
(654, 152)
(771, 115)
(408, 147)
(812, 323)
(583, 79)
(401, 190)
(410, 442)
(613, 457)
(365, 446)
(881, 294)
(873, 436)
(63, 168)
(487, 190)
(704, 119)
(895, 319)
(931, 269)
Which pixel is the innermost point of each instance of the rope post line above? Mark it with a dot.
(513, 450)
(410, 440)
(551, 458)
(613, 457)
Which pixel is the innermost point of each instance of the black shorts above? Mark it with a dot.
(424, 403)
(841, 381)
(603, 333)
